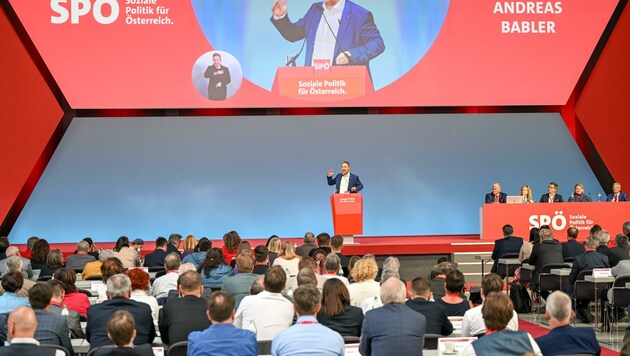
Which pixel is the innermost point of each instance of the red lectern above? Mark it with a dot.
(347, 211)
(331, 84)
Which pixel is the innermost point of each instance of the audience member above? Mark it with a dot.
(392, 263)
(4, 244)
(156, 258)
(239, 284)
(435, 314)
(307, 246)
(526, 248)
(473, 324)
(454, 286)
(231, 241)
(333, 267)
(127, 256)
(372, 303)
(439, 260)
(546, 252)
(110, 267)
(619, 252)
(258, 286)
(93, 269)
(15, 264)
(51, 329)
(306, 262)
(320, 260)
(30, 244)
(140, 291)
(78, 261)
(37, 252)
(604, 237)
(595, 229)
(572, 247)
(121, 330)
(222, 337)
(625, 228)
(306, 276)
(118, 292)
(13, 251)
(56, 307)
(162, 285)
(173, 244)
(336, 311)
(351, 263)
(323, 243)
(213, 269)
(190, 246)
(508, 244)
(92, 251)
(497, 312)
(365, 284)
(563, 339)
(273, 245)
(54, 261)
(294, 340)
(437, 283)
(336, 245)
(268, 312)
(179, 317)
(10, 300)
(392, 329)
(287, 259)
(21, 326)
(197, 257)
(74, 299)
(261, 254)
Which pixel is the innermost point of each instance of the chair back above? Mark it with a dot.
(93, 351)
(264, 347)
(551, 282)
(582, 289)
(431, 341)
(56, 347)
(620, 294)
(178, 349)
(351, 339)
(569, 259)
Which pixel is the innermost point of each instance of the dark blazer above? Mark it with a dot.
(617, 253)
(587, 260)
(171, 248)
(260, 269)
(572, 248)
(622, 197)
(181, 316)
(556, 198)
(26, 350)
(603, 249)
(573, 341)
(52, 329)
(347, 324)
(305, 249)
(74, 321)
(392, 329)
(544, 253)
(139, 350)
(353, 182)
(155, 258)
(437, 320)
(510, 244)
(98, 316)
(490, 198)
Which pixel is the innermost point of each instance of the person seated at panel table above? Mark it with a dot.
(496, 196)
(617, 195)
(551, 196)
(526, 193)
(578, 194)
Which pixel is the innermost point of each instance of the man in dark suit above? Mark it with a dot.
(345, 182)
(508, 244)
(603, 237)
(619, 252)
(392, 329)
(156, 258)
(323, 243)
(121, 330)
(496, 196)
(56, 307)
(118, 292)
(437, 320)
(21, 326)
(564, 339)
(547, 251)
(551, 196)
(307, 246)
(51, 329)
(626, 229)
(617, 195)
(572, 247)
(187, 313)
(587, 261)
(173, 244)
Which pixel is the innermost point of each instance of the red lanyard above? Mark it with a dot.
(307, 322)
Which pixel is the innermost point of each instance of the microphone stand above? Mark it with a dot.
(337, 45)
(291, 61)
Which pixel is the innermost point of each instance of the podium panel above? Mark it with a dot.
(331, 84)
(347, 212)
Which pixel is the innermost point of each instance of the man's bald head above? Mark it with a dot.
(22, 323)
(13, 251)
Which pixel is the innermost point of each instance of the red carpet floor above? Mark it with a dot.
(537, 331)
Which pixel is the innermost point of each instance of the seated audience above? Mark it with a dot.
(563, 339)
(13, 251)
(268, 312)
(336, 311)
(191, 245)
(78, 260)
(320, 259)
(307, 246)
(199, 255)
(392, 329)
(213, 270)
(437, 283)
(181, 316)
(21, 326)
(453, 302)
(10, 300)
(93, 269)
(4, 244)
(439, 260)
(110, 267)
(222, 337)
(93, 250)
(546, 252)
(56, 307)
(162, 285)
(38, 253)
(323, 243)
(231, 241)
(258, 286)
(497, 312)
(309, 263)
(118, 292)
(437, 320)
(604, 237)
(365, 286)
(74, 300)
(392, 263)
(51, 329)
(508, 244)
(336, 245)
(572, 247)
(333, 267)
(54, 261)
(261, 254)
(174, 240)
(127, 256)
(244, 248)
(351, 263)
(473, 324)
(30, 244)
(619, 252)
(140, 291)
(238, 285)
(287, 259)
(15, 264)
(156, 258)
(121, 329)
(375, 302)
(183, 268)
(307, 333)
(526, 248)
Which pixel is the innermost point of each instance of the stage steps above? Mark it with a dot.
(470, 266)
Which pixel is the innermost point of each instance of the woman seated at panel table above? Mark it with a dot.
(453, 302)
(578, 195)
(526, 193)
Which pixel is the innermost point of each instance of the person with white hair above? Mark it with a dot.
(604, 237)
(78, 261)
(392, 329)
(574, 340)
(26, 263)
(16, 264)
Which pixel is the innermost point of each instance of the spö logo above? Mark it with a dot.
(556, 222)
(104, 11)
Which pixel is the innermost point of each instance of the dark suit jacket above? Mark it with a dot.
(357, 33)
(544, 253)
(490, 198)
(52, 330)
(171, 248)
(510, 244)
(556, 198)
(392, 329)
(616, 254)
(572, 248)
(305, 249)
(353, 182)
(155, 258)
(622, 197)
(566, 340)
(603, 249)
(326, 249)
(587, 260)
(26, 350)
(74, 321)
(437, 320)
(181, 316)
(99, 314)
(139, 350)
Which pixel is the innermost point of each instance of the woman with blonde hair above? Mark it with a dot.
(365, 286)
(274, 245)
(287, 259)
(190, 243)
(526, 193)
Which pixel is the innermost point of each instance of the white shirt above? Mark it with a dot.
(162, 285)
(469, 350)
(326, 277)
(473, 323)
(292, 283)
(359, 291)
(271, 314)
(143, 297)
(324, 47)
(291, 265)
(345, 181)
(30, 341)
(371, 303)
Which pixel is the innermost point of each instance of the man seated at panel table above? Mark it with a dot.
(121, 329)
(563, 339)
(551, 196)
(617, 195)
(572, 247)
(508, 244)
(496, 196)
